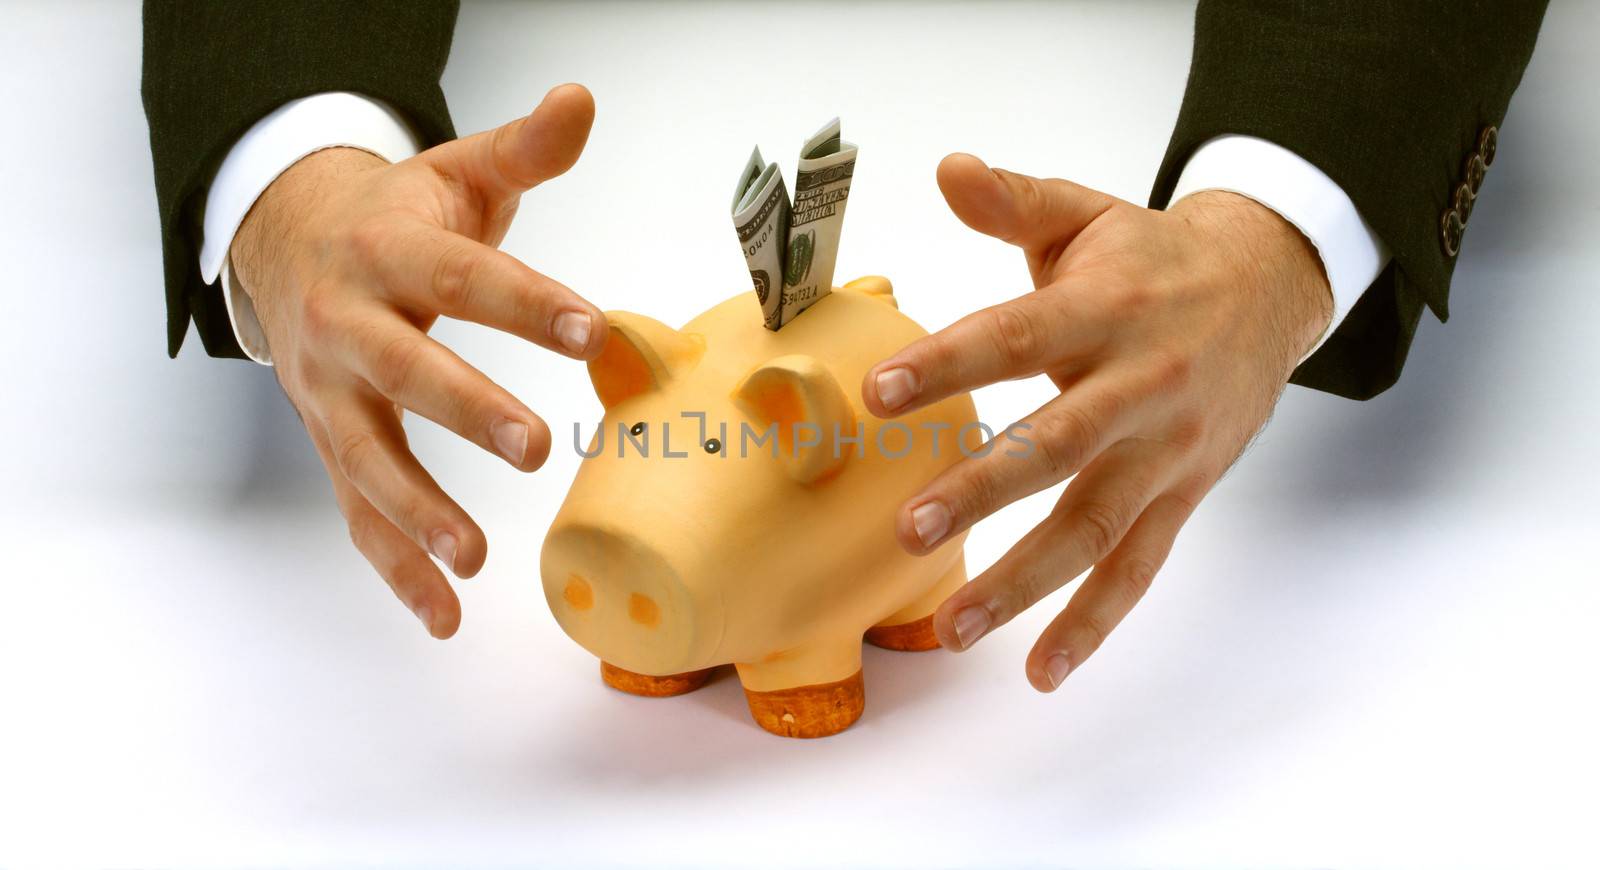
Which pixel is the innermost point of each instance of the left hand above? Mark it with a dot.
(1170, 334)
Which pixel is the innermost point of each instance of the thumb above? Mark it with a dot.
(526, 152)
(1027, 212)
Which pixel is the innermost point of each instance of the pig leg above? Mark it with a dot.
(806, 693)
(653, 687)
(910, 629)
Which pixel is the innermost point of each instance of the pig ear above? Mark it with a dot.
(640, 355)
(799, 389)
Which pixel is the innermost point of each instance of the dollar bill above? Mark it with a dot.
(761, 218)
(821, 191)
(791, 250)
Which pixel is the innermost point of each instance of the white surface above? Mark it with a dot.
(1374, 645)
(1352, 254)
(271, 145)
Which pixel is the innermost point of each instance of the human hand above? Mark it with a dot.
(1170, 335)
(349, 260)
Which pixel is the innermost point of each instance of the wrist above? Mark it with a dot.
(1249, 246)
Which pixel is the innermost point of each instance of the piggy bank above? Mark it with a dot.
(737, 506)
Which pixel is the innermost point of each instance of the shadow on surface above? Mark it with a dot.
(619, 740)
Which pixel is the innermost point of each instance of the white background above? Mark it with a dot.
(1374, 644)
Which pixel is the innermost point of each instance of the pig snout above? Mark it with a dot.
(623, 600)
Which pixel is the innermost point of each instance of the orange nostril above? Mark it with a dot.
(578, 593)
(644, 610)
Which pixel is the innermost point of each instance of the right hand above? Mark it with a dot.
(349, 260)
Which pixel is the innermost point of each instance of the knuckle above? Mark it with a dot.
(1101, 524)
(409, 578)
(529, 302)
(396, 363)
(1017, 593)
(1137, 299)
(1058, 456)
(1188, 430)
(473, 410)
(413, 516)
(299, 376)
(353, 451)
(502, 143)
(981, 494)
(1094, 628)
(304, 375)
(1065, 439)
(937, 353)
(1134, 576)
(1173, 371)
(370, 240)
(1168, 283)
(1033, 199)
(1016, 340)
(1029, 589)
(454, 274)
(319, 315)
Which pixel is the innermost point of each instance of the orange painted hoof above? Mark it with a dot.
(653, 687)
(810, 711)
(907, 637)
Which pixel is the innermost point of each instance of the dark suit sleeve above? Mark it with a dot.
(212, 69)
(1391, 100)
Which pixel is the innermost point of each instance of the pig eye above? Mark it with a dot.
(637, 428)
(712, 445)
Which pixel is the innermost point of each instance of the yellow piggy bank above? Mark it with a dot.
(737, 506)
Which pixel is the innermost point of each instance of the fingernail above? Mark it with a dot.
(971, 623)
(425, 615)
(572, 330)
(511, 439)
(1056, 669)
(896, 387)
(444, 548)
(931, 521)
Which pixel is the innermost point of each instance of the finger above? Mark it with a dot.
(1088, 522)
(1033, 454)
(369, 448)
(1109, 593)
(438, 272)
(524, 153)
(1025, 211)
(417, 372)
(411, 575)
(1014, 339)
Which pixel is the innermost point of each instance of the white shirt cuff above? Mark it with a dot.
(1352, 254)
(276, 142)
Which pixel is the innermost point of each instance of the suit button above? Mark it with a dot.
(1463, 202)
(1473, 172)
(1487, 142)
(1450, 227)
